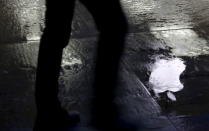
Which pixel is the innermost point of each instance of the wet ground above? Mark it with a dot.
(163, 75)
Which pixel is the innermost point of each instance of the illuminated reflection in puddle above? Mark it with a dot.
(165, 76)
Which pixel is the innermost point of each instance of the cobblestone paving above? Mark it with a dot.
(158, 30)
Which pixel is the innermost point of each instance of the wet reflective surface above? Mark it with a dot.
(185, 42)
(167, 53)
(20, 20)
(165, 75)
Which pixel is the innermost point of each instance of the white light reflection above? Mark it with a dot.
(165, 76)
(184, 42)
(71, 61)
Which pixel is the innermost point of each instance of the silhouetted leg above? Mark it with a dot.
(55, 37)
(112, 25)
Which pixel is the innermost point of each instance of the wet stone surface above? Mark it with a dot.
(20, 20)
(24, 20)
(159, 30)
(17, 78)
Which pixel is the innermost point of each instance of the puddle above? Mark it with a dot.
(165, 76)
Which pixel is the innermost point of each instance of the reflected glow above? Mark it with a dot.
(165, 76)
(133, 7)
(185, 42)
(71, 62)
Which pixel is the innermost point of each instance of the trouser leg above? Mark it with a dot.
(112, 26)
(55, 37)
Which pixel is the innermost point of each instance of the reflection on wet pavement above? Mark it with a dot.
(20, 20)
(165, 76)
(167, 50)
(166, 15)
(184, 42)
(25, 18)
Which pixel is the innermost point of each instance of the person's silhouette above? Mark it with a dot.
(112, 26)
